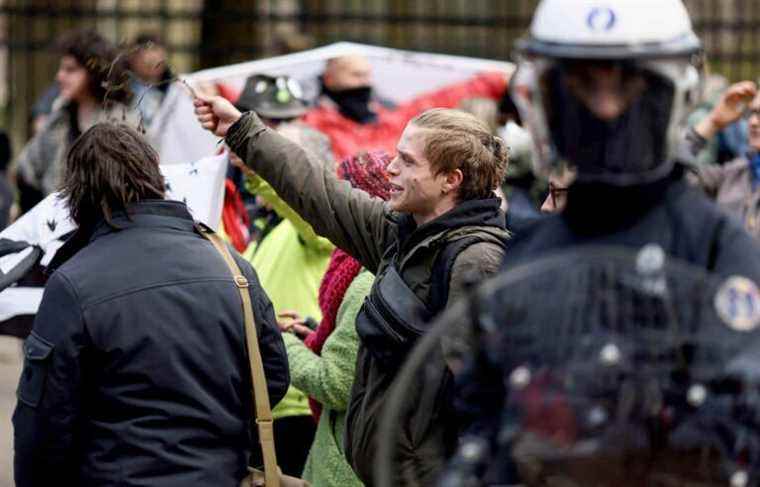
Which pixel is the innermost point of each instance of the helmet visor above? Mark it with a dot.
(610, 119)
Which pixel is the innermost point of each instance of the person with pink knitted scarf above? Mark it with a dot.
(322, 365)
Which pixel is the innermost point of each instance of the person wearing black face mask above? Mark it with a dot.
(354, 103)
(347, 82)
(355, 119)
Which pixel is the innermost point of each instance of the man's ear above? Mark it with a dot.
(453, 181)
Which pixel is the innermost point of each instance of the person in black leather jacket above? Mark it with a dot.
(136, 371)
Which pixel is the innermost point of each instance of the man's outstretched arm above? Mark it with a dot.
(350, 218)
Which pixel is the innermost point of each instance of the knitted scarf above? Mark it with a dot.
(341, 271)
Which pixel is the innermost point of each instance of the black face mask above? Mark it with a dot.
(353, 103)
(633, 145)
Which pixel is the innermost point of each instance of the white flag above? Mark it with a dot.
(200, 185)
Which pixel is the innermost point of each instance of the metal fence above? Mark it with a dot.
(204, 33)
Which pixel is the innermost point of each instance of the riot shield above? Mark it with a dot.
(590, 367)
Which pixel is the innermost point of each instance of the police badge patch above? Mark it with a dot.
(738, 303)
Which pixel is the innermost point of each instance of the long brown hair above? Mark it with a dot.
(100, 58)
(106, 168)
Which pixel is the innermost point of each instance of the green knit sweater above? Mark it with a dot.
(328, 378)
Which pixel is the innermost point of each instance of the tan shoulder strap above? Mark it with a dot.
(260, 393)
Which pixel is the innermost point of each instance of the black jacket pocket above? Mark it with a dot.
(36, 358)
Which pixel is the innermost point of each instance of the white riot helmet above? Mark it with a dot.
(606, 85)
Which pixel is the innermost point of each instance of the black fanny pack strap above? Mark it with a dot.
(393, 317)
(440, 276)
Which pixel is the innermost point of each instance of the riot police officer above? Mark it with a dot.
(604, 89)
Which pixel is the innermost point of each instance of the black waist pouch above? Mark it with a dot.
(391, 319)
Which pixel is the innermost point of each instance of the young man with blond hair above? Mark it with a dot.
(441, 227)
